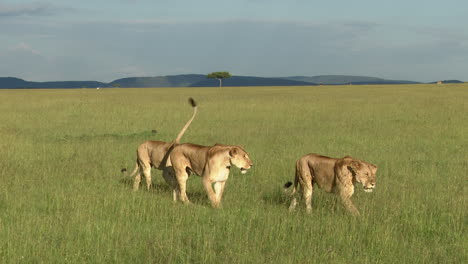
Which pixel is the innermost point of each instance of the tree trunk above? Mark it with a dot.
(220, 82)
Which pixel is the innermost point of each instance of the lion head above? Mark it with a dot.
(364, 173)
(240, 159)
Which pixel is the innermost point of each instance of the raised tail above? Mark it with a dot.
(181, 133)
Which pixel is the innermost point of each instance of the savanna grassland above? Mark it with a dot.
(63, 199)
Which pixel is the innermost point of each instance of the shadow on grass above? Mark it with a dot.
(277, 198)
(195, 197)
(143, 135)
(320, 200)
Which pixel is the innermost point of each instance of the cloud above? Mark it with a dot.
(22, 61)
(31, 9)
(24, 47)
(105, 51)
(131, 71)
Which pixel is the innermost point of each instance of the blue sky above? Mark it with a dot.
(106, 40)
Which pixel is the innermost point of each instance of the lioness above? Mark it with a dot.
(155, 154)
(332, 175)
(211, 163)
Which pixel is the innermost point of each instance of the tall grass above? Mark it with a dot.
(63, 200)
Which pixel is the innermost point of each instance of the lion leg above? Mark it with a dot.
(211, 194)
(305, 178)
(307, 194)
(219, 190)
(182, 178)
(345, 193)
(147, 174)
(293, 204)
(175, 193)
(137, 180)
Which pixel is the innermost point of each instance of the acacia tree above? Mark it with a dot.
(220, 76)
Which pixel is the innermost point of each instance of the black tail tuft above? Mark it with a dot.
(192, 102)
(288, 184)
(123, 170)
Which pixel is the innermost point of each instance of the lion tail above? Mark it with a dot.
(181, 133)
(288, 184)
(124, 171)
(294, 190)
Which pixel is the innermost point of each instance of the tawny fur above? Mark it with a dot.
(212, 163)
(332, 175)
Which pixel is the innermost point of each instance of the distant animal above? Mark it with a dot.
(212, 163)
(155, 154)
(334, 175)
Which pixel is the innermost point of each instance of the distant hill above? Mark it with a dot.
(182, 80)
(250, 81)
(346, 79)
(200, 80)
(450, 81)
(16, 83)
(11, 82)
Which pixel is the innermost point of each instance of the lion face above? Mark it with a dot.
(240, 159)
(365, 174)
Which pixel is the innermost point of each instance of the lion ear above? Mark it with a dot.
(233, 152)
(354, 166)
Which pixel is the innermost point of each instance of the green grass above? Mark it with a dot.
(63, 200)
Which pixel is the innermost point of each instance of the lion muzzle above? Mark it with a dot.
(370, 188)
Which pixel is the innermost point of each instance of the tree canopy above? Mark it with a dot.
(219, 75)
